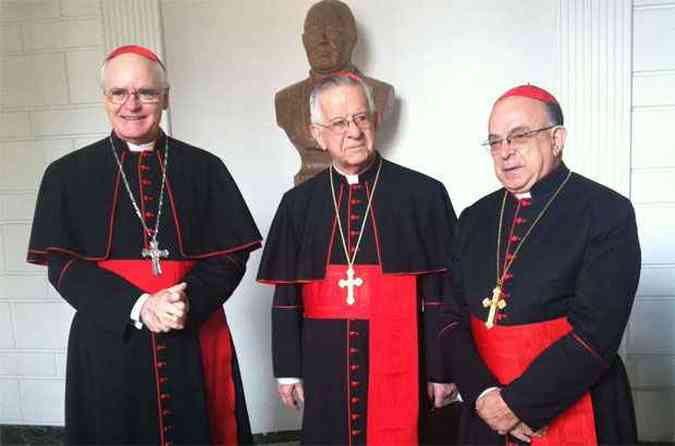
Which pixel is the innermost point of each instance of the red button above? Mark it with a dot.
(146, 182)
(355, 384)
(353, 333)
(353, 350)
(354, 366)
(355, 400)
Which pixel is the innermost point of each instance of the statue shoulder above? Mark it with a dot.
(287, 99)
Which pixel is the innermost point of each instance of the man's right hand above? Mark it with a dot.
(166, 309)
(292, 395)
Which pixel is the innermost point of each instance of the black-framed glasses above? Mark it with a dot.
(144, 95)
(516, 138)
(341, 125)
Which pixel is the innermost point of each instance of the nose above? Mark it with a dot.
(132, 102)
(353, 130)
(505, 149)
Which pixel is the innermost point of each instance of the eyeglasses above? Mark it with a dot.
(144, 95)
(341, 125)
(515, 139)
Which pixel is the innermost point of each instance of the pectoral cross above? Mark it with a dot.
(495, 303)
(155, 253)
(350, 283)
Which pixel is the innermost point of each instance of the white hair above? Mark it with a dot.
(160, 73)
(334, 81)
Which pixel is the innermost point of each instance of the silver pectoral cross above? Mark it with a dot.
(350, 283)
(155, 254)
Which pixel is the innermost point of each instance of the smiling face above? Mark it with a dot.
(519, 166)
(352, 151)
(134, 121)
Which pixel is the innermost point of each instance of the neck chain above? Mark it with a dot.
(153, 252)
(351, 281)
(496, 301)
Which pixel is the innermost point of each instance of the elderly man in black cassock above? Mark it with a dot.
(544, 277)
(146, 237)
(355, 253)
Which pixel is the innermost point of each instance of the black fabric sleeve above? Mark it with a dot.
(95, 293)
(604, 293)
(211, 282)
(287, 331)
(460, 356)
(432, 290)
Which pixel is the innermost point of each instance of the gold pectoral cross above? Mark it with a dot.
(495, 303)
(350, 283)
(155, 254)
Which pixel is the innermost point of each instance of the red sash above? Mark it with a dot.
(509, 349)
(390, 304)
(214, 337)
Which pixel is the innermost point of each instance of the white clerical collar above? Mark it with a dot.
(141, 147)
(352, 179)
(522, 195)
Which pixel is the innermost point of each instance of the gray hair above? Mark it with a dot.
(335, 81)
(160, 72)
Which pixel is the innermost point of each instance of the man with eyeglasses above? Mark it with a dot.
(146, 237)
(354, 253)
(544, 276)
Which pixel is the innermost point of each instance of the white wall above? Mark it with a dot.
(448, 60)
(49, 105)
(651, 340)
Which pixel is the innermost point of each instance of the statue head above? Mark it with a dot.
(329, 36)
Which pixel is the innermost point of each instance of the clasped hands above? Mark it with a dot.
(166, 309)
(497, 414)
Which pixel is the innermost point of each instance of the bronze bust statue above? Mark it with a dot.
(329, 38)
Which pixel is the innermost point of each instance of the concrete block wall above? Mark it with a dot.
(49, 105)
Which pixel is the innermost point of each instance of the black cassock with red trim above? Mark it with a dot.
(331, 345)
(568, 295)
(129, 386)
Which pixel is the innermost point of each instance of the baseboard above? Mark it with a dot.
(15, 435)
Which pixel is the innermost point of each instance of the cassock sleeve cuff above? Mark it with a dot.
(288, 381)
(135, 315)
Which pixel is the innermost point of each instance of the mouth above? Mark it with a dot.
(132, 118)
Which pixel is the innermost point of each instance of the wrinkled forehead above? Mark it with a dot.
(338, 99)
(515, 112)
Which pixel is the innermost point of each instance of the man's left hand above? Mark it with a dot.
(494, 411)
(441, 394)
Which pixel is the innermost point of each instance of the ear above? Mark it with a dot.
(165, 101)
(316, 134)
(559, 138)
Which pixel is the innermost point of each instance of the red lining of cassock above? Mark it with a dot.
(389, 303)
(216, 346)
(508, 350)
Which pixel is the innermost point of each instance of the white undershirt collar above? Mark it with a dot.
(148, 146)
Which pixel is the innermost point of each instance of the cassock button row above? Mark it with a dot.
(525, 202)
(353, 333)
(354, 217)
(514, 238)
(166, 412)
(168, 428)
(356, 201)
(164, 396)
(354, 367)
(355, 400)
(355, 416)
(520, 220)
(355, 384)
(147, 198)
(146, 182)
(356, 433)
(161, 364)
(163, 380)
(353, 350)
(160, 347)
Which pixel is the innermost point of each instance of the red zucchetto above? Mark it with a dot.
(135, 49)
(530, 91)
